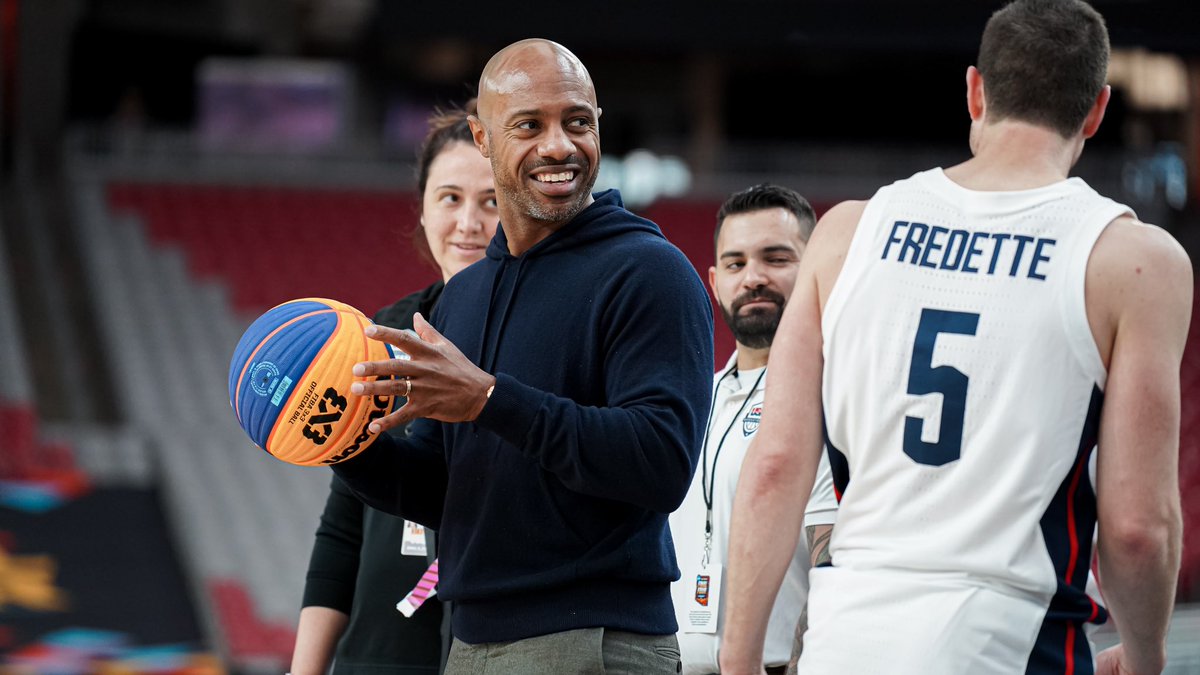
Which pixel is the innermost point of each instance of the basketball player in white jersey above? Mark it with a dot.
(963, 340)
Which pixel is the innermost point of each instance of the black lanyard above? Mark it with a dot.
(708, 485)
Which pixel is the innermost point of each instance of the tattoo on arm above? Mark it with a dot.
(818, 544)
(798, 640)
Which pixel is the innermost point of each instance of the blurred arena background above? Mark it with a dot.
(172, 168)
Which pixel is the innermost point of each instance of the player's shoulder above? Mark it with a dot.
(835, 229)
(1137, 269)
(844, 214)
(1130, 248)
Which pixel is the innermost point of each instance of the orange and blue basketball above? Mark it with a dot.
(289, 382)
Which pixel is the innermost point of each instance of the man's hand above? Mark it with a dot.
(1114, 661)
(442, 384)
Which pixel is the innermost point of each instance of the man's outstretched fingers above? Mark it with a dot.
(426, 331)
(406, 340)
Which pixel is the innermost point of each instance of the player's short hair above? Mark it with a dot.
(768, 196)
(1044, 62)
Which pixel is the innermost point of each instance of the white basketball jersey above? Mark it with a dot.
(962, 387)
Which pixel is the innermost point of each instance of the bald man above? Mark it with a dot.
(561, 401)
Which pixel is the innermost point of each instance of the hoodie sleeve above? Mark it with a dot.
(405, 477)
(642, 446)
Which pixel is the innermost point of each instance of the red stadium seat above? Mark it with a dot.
(273, 244)
(247, 636)
(24, 458)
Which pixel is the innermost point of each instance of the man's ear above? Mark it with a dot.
(1091, 123)
(479, 134)
(976, 104)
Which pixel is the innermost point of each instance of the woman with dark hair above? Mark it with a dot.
(365, 561)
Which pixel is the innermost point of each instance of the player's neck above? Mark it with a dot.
(1012, 155)
(523, 231)
(750, 359)
(522, 236)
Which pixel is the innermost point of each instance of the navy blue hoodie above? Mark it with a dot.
(552, 506)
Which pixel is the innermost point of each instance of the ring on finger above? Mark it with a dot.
(407, 387)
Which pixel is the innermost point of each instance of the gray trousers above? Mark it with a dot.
(586, 651)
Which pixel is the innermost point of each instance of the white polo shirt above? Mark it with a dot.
(736, 412)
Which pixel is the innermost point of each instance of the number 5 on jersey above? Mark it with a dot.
(950, 382)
